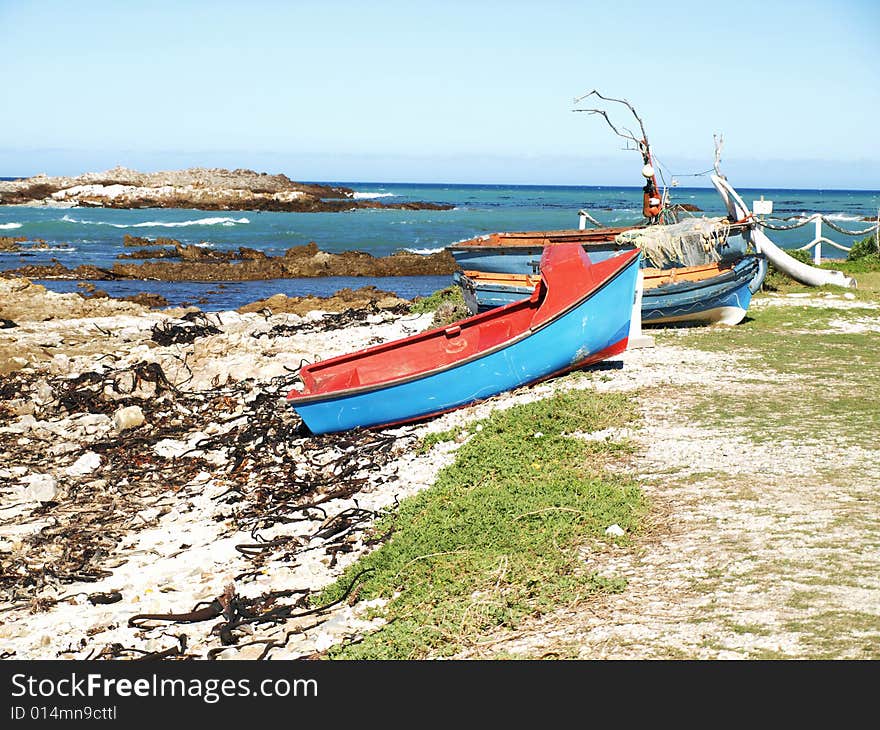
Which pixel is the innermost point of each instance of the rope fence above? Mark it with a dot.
(817, 219)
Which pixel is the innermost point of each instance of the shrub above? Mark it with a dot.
(865, 247)
(447, 305)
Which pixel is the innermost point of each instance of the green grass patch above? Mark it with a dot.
(844, 634)
(496, 538)
(827, 378)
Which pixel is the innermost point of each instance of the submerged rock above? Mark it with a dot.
(198, 263)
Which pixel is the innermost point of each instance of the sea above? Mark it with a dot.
(94, 236)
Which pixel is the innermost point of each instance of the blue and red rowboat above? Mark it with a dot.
(579, 314)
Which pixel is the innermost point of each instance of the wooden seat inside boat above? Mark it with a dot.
(659, 277)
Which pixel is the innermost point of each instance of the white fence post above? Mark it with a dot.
(582, 220)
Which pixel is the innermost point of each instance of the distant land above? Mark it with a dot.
(202, 188)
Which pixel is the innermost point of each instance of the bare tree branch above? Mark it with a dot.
(629, 106)
(626, 134)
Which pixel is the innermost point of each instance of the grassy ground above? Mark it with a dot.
(498, 537)
(826, 360)
(496, 546)
(823, 375)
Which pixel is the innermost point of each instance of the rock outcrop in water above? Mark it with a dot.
(365, 298)
(203, 264)
(205, 189)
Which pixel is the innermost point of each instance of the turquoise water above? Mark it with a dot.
(94, 236)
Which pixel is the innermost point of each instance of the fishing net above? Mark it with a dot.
(692, 242)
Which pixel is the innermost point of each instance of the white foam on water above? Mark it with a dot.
(830, 216)
(425, 251)
(213, 221)
(370, 196)
(9, 226)
(843, 217)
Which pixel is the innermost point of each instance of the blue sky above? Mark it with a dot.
(443, 91)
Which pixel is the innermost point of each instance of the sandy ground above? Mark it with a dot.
(745, 553)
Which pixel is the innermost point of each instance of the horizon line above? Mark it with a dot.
(11, 178)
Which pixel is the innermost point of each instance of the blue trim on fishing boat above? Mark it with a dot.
(523, 259)
(723, 298)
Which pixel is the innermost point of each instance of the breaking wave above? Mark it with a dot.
(843, 217)
(214, 221)
(370, 196)
(9, 226)
(425, 251)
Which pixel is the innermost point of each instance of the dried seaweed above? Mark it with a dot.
(185, 331)
(272, 473)
(333, 321)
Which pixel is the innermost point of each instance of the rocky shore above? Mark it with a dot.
(148, 460)
(198, 263)
(200, 188)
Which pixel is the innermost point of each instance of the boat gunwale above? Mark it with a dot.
(535, 239)
(724, 272)
(295, 400)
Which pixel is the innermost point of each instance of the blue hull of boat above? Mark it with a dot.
(713, 300)
(527, 259)
(723, 298)
(597, 324)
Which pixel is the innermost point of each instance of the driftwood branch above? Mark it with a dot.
(626, 133)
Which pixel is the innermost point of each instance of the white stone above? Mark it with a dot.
(40, 488)
(129, 417)
(61, 364)
(44, 392)
(170, 448)
(324, 641)
(614, 530)
(22, 425)
(85, 464)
